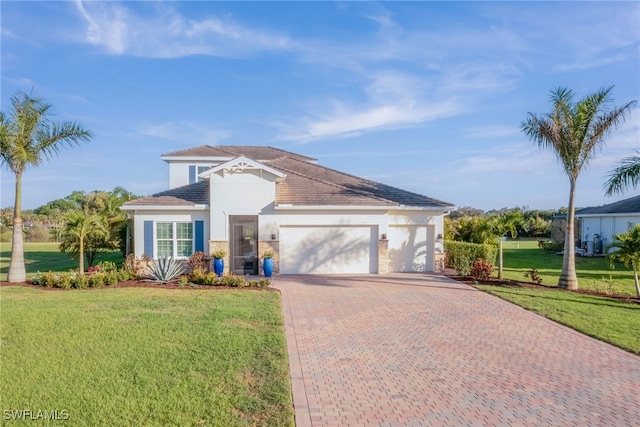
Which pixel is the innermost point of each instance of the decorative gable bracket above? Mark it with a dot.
(240, 165)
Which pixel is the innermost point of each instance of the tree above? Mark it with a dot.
(26, 137)
(81, 229)
(625, 176)
(628, 252)
(499, 226)
(574, 131)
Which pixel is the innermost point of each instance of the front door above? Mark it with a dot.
(244, 244)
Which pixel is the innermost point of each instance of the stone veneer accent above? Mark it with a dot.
(383, 256)
(439, 261)
(269, 245)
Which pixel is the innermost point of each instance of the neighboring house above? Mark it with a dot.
(601, 223)
(246, 200)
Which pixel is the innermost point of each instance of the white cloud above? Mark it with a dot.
(168, 34)
(185, 132)
(492, 131)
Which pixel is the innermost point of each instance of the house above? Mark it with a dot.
(600, 224)
(247, 200)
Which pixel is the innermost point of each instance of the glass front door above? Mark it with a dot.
(244, 244)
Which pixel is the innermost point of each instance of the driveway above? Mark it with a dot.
(424, 350)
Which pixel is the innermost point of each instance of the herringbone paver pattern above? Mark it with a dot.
(423, 350)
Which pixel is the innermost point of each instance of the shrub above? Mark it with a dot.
(197, 275)
(198, 260)
(481, 269)
(165, 270)
(232, 281)
(65, 281)
(461, 255)
(79, 281)
(96, 279)
(533, 275)
(138, 268)
(111, 278)
(550, 246)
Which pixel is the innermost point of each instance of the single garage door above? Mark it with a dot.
(411, 248)
(328, 249)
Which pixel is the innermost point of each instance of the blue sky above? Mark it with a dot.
(425, 96)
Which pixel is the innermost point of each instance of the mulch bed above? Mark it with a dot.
(143, 284)
(517, 284)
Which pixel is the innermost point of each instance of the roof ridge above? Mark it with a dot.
(285, 153)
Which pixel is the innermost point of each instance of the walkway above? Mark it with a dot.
(423, 350)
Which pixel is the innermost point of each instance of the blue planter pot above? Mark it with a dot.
(268, 267)
(218, 266)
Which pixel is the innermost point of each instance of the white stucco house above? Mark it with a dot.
(601, 223)
(250, 199)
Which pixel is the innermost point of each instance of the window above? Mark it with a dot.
(174, 239)
(201, 169)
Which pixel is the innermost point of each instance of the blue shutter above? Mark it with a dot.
(192, 174)
(199, 236)
(148, 238)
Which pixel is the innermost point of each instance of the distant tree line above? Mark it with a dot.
(82, 223)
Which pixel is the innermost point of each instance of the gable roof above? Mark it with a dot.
(306, 184)
(255, 152)
(241, 163)
(631, 205)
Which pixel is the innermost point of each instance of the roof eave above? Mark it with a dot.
(291, 207)
(164, 207)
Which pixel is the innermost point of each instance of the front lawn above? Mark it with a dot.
(593, 272)
(45, 256)
(606, 319)
(143, 356)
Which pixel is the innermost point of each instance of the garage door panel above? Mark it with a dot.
(326, 250)
(410, 248)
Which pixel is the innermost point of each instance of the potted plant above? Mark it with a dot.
(218, 261)
(267, 263)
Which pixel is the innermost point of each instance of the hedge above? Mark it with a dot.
(461, 255)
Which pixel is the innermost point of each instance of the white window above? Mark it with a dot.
(174, 239)
(201, 169)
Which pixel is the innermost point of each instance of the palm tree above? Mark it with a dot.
(500, 226)
(574, 131)
(628, 252)
(626, 175)
(26, 137)
(80, 228)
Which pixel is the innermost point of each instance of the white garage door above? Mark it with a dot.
(328, 250)
(411, 248)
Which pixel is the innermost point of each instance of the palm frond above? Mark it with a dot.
(625, 176)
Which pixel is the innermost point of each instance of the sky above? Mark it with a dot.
(425, 96)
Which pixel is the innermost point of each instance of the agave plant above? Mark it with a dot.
(165, 270)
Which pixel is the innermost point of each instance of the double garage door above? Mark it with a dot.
(352, 249)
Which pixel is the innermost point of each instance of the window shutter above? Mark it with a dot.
(199, 246)
(148, 238)
(192, 174)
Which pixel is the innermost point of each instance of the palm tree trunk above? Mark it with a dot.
(500, 259)
(568, 278)
(17, 272)
(635, 279)
(81, 260)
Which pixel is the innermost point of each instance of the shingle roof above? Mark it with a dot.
(631, 205)
(310, 184)
(255, 152)
(187, 195)
(306, 183)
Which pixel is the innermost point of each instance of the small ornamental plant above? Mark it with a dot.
(268, 254)
(481, 269)
(218, 254)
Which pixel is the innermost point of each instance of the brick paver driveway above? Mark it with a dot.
(423, 350)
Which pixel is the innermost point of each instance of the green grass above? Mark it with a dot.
(606, 319)
(593, 272)
(45, 257)
(146, 357)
